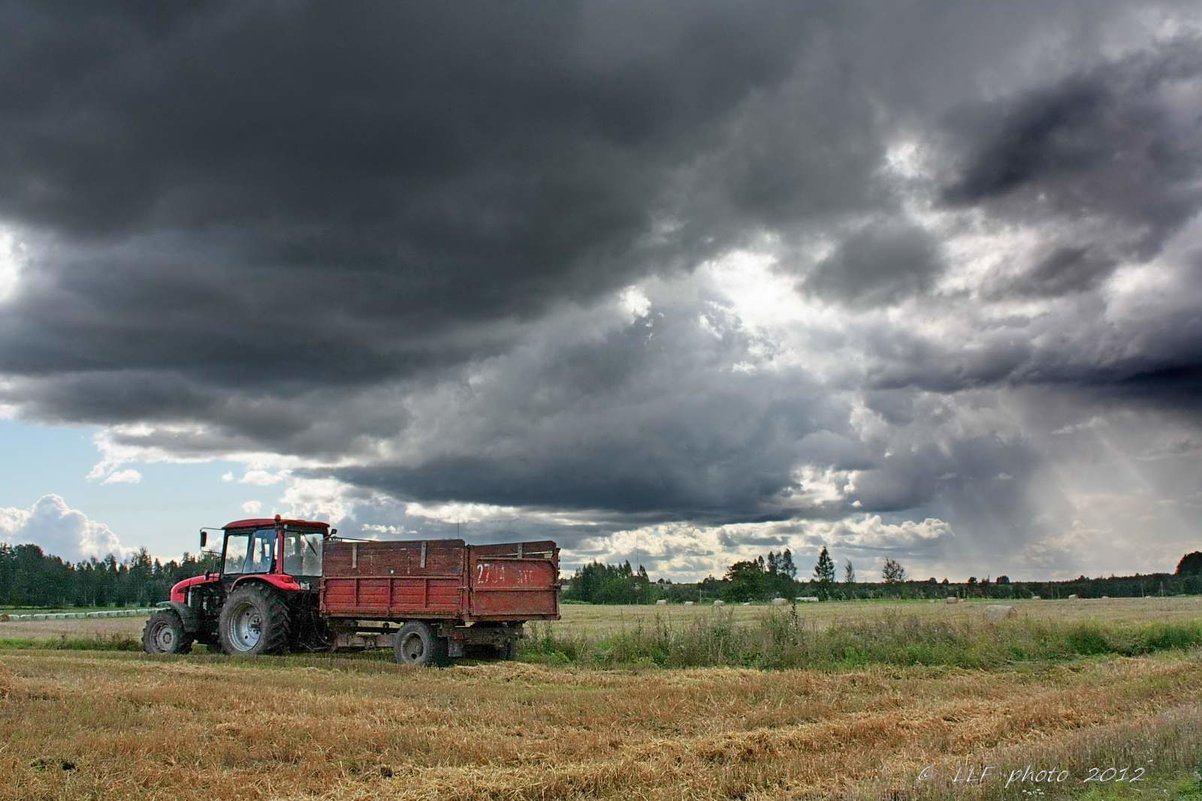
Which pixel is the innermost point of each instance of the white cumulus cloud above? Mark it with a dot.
(124, 477)
(59, 530)
(260, 478)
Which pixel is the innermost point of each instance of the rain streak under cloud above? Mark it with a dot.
(687, 281)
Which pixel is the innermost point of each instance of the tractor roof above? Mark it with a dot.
(268, 522)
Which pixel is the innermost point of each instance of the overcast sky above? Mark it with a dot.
(673, 282)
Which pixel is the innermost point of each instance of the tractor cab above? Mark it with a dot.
(290, 548)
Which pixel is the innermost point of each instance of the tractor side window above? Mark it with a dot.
(235, 553)
(262, 557)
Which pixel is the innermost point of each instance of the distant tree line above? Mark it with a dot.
(610, 584)
(31, 577)
(775, 576)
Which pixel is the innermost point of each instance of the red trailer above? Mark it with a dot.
(293, 584)
(447, 594)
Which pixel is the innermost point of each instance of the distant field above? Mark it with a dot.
(599, 620)
(1118, 610)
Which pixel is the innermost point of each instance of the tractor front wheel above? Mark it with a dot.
(164, 634)
(254, 620)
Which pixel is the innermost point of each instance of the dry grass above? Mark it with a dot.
(113, 627)
(131, 727)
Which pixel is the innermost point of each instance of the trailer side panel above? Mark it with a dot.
(514, 581)
(393, 580)
(440, 579)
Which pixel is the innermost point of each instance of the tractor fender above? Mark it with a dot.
(179, 592)
(281, 583)
(187, 615)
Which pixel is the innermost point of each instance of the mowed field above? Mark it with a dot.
(115, 725)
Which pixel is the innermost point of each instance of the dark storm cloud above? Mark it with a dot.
(248, 192)
(388, 238)
(645, 419)
(1148, 349)
(1064, 270)
(1118, 142)
(879, 265)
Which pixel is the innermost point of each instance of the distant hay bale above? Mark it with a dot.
(662, 602)
(951, 599)
(1073, 597)
(688, 603)
(746, 603)
(807, 599)
(1105, 597)
(999, 611)
(719, 603)
(779, 602)
(1035, 598)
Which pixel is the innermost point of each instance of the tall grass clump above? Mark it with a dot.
(783, 640)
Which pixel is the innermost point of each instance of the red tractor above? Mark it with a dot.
(288, 585)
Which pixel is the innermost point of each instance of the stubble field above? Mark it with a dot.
(115, 725)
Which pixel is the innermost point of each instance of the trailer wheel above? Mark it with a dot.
(417, 644)
(508, 651)
(254, 620)
(164, 634)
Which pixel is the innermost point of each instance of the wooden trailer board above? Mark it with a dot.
(440, 580)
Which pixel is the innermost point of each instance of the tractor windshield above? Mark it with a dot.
(302, 553)
(236, 546)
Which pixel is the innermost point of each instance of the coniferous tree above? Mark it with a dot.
(893, 572)
(824, 572)
(786, 564)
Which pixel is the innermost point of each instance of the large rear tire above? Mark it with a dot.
(164, 634)
(416, 644)
(254, 620)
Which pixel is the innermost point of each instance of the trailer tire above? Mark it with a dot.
(164, 634)
(416, 644)
(508, 651)
(254, 620)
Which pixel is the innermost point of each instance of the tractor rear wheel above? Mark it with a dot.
(254, 620)
(417, 644)
(164, 634)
